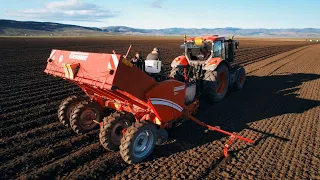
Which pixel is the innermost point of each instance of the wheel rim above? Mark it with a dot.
(70, 109)
(143, 143)
(221, 83)
(116, 133)
(87, 117)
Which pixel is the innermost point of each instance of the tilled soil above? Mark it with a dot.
(279, 108)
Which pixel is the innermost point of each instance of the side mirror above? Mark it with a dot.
(182, 46)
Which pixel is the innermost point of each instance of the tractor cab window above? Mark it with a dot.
(198, 52)
(218, 49)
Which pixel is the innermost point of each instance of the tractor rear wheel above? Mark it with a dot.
(82, 116)
(111, 130)
(240, 78)
(216, 83)
(176, 74)
(138, 142)
(66, 107)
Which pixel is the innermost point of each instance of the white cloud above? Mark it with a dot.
(71, 5)
(68, 10)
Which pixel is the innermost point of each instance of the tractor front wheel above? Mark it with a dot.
(66, 107)
(82, 117)
(112, 128)
(216, 83)
(138, 142)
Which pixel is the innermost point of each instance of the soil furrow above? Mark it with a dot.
(279, 107)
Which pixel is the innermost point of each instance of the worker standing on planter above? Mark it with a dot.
(138, 61)
(154, 55)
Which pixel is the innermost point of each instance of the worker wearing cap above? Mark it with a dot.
(138, 61)
(154, 55)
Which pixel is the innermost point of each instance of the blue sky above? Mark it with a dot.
(168, 13)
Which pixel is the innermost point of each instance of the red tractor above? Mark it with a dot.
(207, 64)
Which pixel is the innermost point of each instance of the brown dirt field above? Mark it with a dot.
(279, 108)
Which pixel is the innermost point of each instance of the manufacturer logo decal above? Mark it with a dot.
(79, 56)
(179, 88)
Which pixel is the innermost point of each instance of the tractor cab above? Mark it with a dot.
(200, 50)
(196, 52)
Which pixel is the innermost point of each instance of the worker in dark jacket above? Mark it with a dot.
(138, 61)
(154, 55)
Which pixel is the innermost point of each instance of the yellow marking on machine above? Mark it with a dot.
(198, 41)
(126, 62)
(70, 70)
(66, 71)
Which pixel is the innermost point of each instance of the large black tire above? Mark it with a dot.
(133, 140)
(216, 83)
(174, 73)
(66, 107)
(240, 78)
(82, 117)
(111, 130)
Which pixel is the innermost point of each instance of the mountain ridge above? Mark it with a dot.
(34, 28)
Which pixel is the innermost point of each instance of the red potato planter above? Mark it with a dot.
(143, 110)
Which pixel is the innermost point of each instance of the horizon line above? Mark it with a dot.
(151, 28)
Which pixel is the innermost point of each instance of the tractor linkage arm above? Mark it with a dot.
(233, 135)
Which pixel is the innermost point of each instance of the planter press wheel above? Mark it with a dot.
(112, 129)
(66, 107)
(83, 116)
(138, 142)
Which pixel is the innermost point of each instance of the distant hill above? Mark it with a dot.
(228, 31)
(30, 28)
